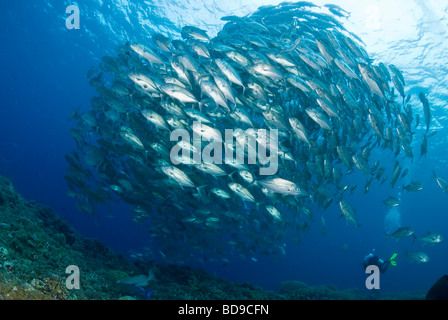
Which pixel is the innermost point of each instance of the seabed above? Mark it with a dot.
(36, 247)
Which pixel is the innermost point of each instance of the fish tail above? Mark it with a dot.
(230, 175)
(252, 184)
(199, 188)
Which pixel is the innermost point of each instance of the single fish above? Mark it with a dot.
(402, 232)
(431, 238)
(426, 109)
(178, 175)
(156, 119)
(229, 72)
(241, 192)
(418, 257)
(283, 186)
(392, 202)
(179, 93)
(146, 53)
(319, 118)
(442, 183)
(348, 212)
(141, 280)
(274, 212)
(413, 186)
(195, 32)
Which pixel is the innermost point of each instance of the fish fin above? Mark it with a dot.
(140, 287)
(434, 174)
(148, 294)
(254, 184)
(200, 104)
(151, 276)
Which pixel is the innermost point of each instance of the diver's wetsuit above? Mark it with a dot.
(374, 260)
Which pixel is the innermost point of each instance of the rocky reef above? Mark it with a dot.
(36, 246)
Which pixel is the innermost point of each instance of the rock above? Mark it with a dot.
(439, 290)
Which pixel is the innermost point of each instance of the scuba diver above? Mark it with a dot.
(372, 259)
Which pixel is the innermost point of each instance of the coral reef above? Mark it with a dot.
(36, 247)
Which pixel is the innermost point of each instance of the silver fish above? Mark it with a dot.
(179, 93)
(283, 186)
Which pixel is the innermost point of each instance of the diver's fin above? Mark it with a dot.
(393, 256)
(392, 259)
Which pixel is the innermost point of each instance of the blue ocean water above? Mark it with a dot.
(44, 68)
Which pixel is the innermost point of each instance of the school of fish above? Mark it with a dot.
(291, 67)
